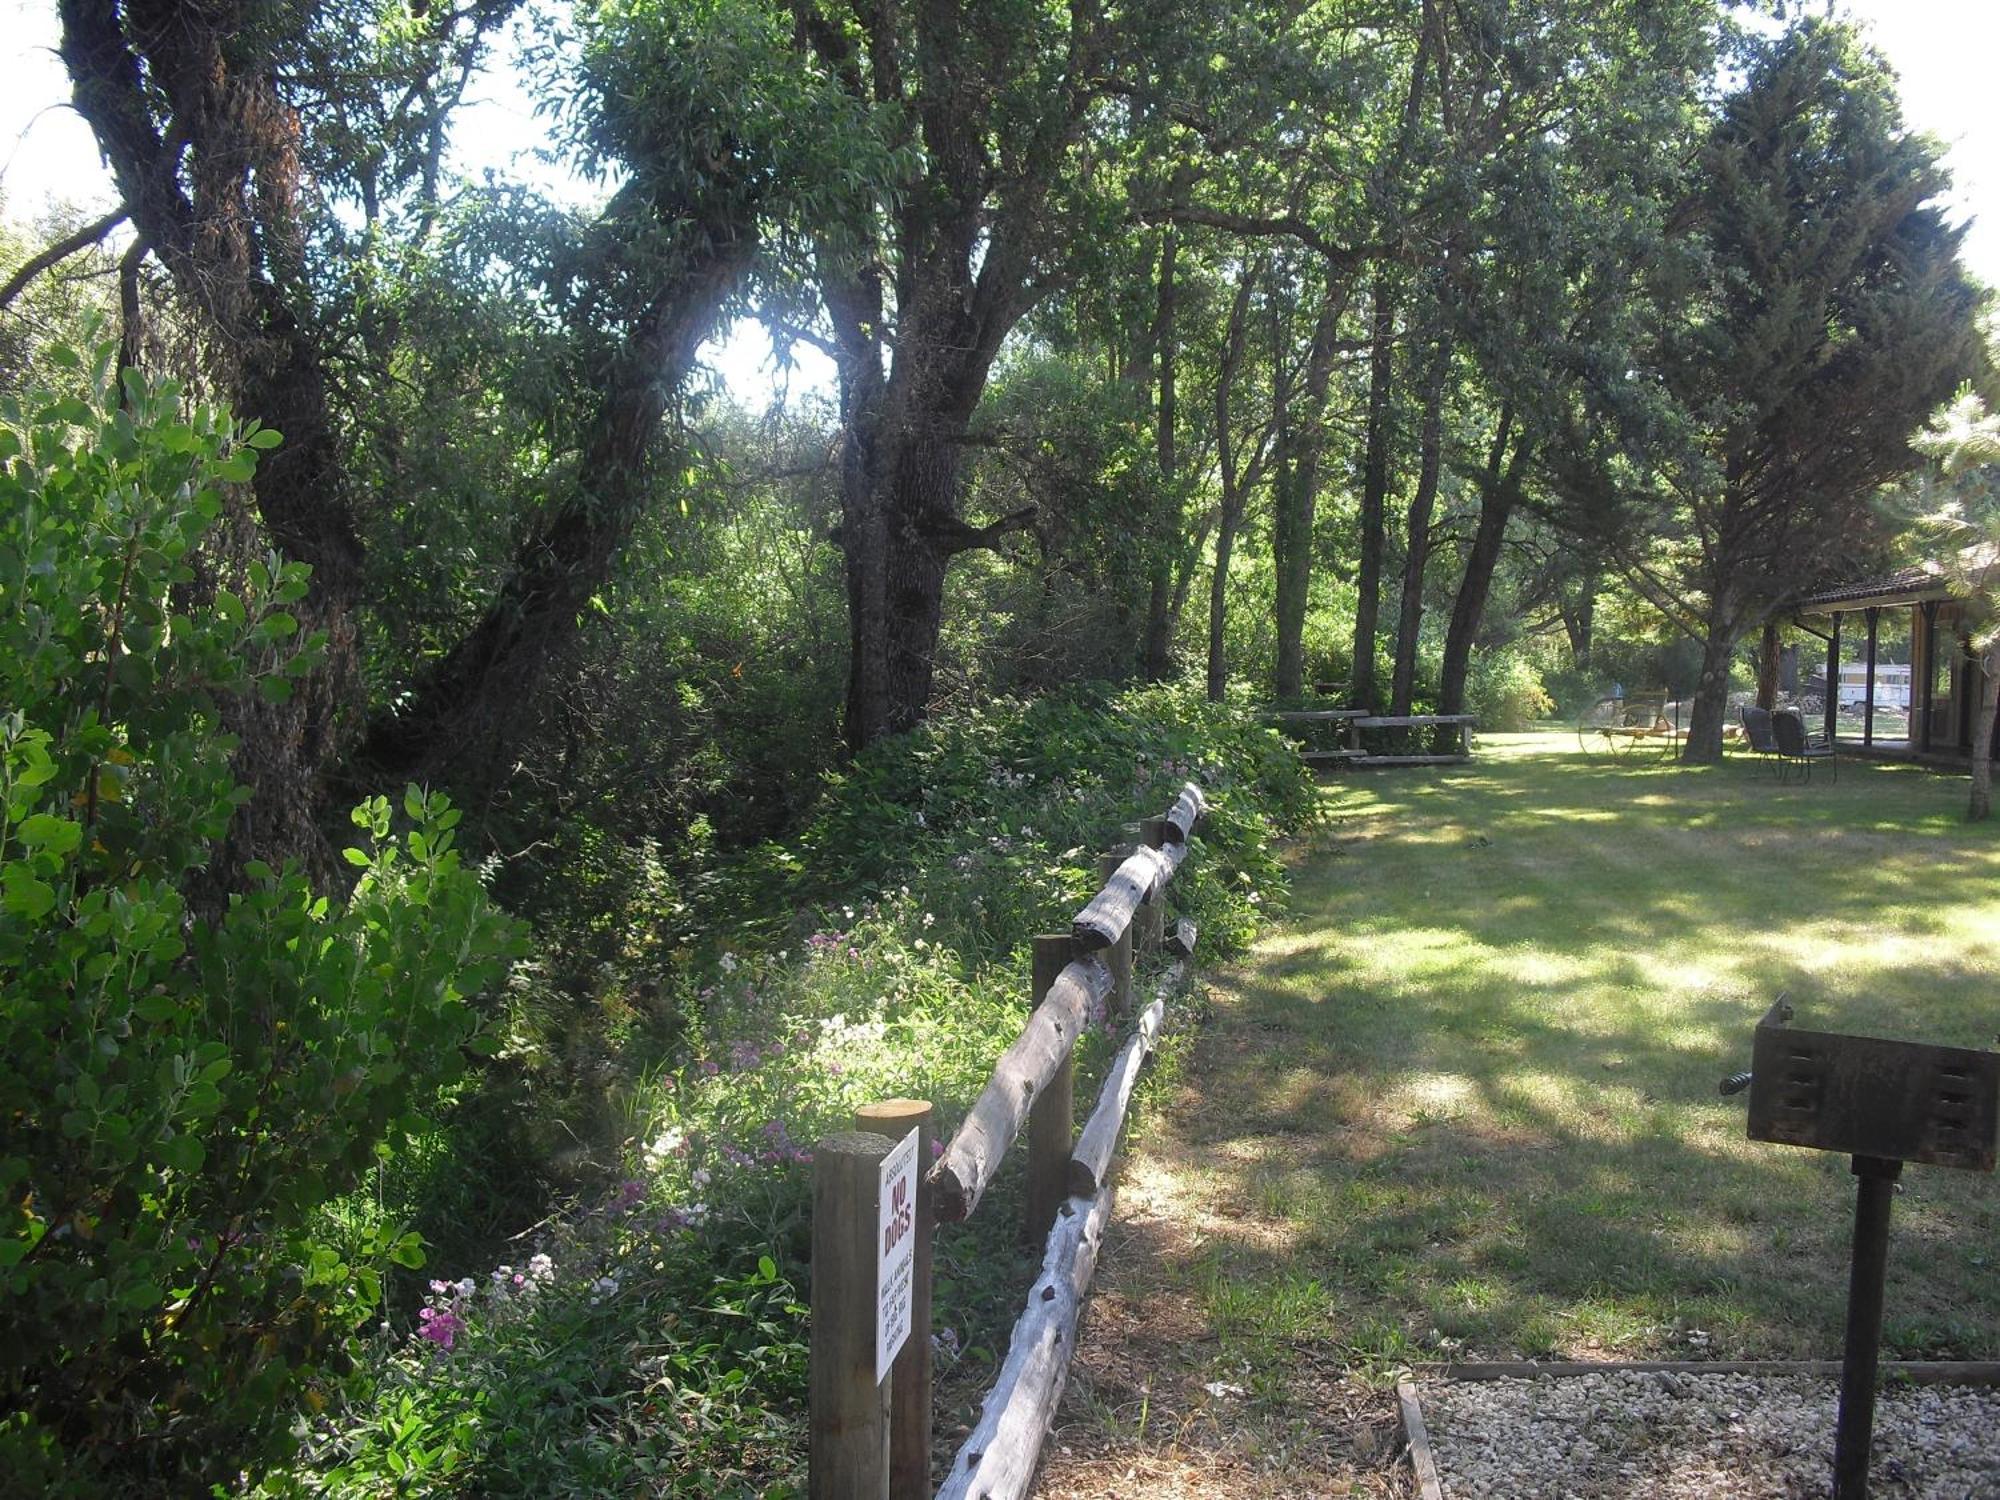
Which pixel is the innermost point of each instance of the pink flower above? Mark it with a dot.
(441, 1328)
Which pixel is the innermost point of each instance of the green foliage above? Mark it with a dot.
(1506, 691)
(184, 1085)
(881, 953)
(991, 814)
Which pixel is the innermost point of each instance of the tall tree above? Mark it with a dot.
(989, 106)
(1832, 315)
(1963, 531)
(1240, 455)
(1300, 441)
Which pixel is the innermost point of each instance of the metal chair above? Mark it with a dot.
(1798, 750)
(1757, 730)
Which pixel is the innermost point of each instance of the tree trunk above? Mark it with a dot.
(1579, 620)
(1218, 604)
(1417, 535)
(214, 192)
(1767, 667)
(1981, 805)
(1374, 489)
(1161, 612)
(1385, 192)
(1497, 492)
(1295, 501)
(1711, 694)
(1234, 484)
(462, 704)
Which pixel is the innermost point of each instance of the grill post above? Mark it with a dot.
(1876, 1191)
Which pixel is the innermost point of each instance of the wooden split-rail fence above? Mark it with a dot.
(871, 1440)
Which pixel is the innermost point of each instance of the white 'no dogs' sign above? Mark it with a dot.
(896, 1245)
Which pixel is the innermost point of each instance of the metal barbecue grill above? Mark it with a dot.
(1884, 1103)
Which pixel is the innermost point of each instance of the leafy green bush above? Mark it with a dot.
(993, 816)
(183, 1089)
(1506, 691)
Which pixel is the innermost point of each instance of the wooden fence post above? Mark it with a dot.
(910, 1376)
(849, 1452)
(1052, 1116)
(1118, 957)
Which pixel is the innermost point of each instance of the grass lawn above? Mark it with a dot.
(1464, 1101)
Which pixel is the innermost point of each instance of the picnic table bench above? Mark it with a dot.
(1356, 719)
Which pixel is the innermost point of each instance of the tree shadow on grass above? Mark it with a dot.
(1469, 1094)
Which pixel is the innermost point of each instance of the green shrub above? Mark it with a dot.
(183, 1091)
(993, 817)
(1506, 691)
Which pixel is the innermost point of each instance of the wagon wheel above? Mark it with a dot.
(1597, 727)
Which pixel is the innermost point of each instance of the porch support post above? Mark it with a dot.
(1927, 611)
(1832, 677)
(1868, 692)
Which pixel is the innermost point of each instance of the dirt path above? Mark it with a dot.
(1166, 1396)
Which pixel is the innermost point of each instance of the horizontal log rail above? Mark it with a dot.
(1090, 1162)
(1412, 721)
(967, 1166)
(1029, 1083)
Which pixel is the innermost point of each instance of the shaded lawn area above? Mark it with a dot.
(1464, 1102)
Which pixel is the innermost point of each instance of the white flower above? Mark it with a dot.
(699, 1177)
(603, 1287)
(666, 1144)
(928, 919)
(727, 963)
(541, 1268)
(466, 1287)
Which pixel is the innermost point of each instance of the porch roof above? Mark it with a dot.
(1911, 585)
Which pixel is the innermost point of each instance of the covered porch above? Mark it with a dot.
(1900, 680)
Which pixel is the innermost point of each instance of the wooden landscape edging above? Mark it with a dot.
(1914, 1371)
(870, 1441)
(1418, 1439)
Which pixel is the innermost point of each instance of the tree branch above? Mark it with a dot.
(90, 234)
(954, 536)
(1339, 257)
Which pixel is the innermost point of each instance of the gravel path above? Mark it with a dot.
(1677, 1437)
